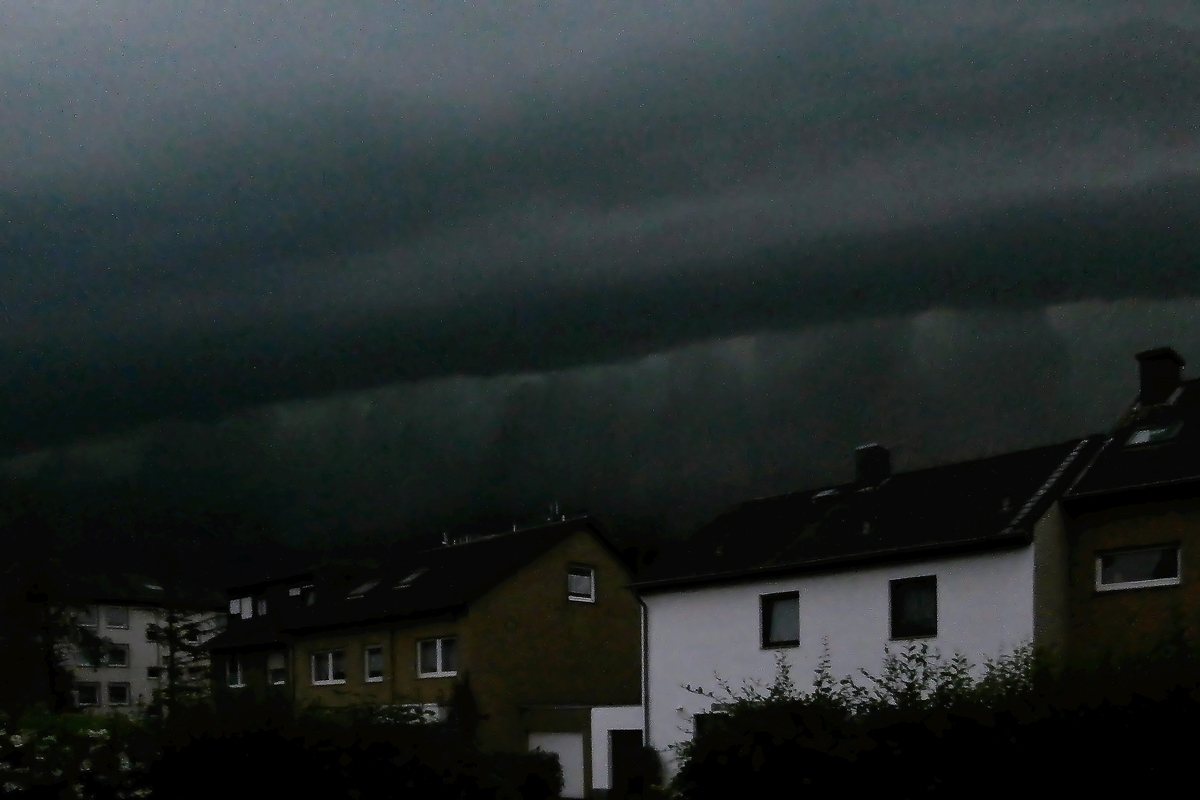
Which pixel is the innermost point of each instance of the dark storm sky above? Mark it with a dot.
(379, 264)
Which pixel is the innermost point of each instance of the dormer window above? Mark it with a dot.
(362, 590)
(408, 581)
(261, 606)
(305, 594)
(1153, 435)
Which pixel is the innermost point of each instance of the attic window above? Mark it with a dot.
(362, 590)
(1153, 435)
(404, 584)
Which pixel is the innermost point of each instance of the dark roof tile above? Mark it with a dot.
(980, 502)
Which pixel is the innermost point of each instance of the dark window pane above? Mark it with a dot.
(449, 655)
(579, 582)
(914, 607)
(118, 694)
(783, 620)
(428, 657)
(339, 665)
(375, 663)
(116, 617)
(89, 694)
(1146, 565)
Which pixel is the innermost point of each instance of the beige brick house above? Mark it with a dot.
(1134, 521)
(541, 622)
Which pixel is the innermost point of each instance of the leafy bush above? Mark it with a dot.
(925, 726)
(75, 756)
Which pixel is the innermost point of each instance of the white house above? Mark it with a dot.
(134, 667)
(969, 557)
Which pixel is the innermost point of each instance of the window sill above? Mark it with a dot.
(374, 680)
(279, 683)
(437, 675)
(237, 686)
(780, 645)
(1125, 587)
(581, 599)
(329, 683)
(914, 637)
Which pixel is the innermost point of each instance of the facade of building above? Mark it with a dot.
(969, 558)
(1134, 520)
(541, 624)
(126, 678)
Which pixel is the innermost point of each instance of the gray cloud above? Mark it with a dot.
(674, 436)
(209, 207)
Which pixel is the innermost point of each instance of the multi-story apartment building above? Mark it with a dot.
(132, 670)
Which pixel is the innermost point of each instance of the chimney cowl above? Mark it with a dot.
(872, 465)
(1159, 375)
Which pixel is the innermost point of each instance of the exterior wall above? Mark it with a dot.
(523, 646)
(1050, 579)
(1133, 622)
(144, 655)
(400, 683)
(542, 649)
(611, 718)
(985, 608)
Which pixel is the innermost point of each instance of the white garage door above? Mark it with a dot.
(569, 749)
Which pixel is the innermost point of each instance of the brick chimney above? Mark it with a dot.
(1159, 371)
(872, 465)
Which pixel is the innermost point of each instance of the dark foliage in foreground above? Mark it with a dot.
(1106, 732)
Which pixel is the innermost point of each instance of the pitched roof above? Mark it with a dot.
(417, 585)
(1121, 466)
(980, 503)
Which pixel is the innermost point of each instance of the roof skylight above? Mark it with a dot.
(362, 590)
(1152, 435)
(404, 584)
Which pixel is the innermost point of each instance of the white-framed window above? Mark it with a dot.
(373, 666)
(328, 667)
(247, 607)
(914, 607)
(581, 584)
(1139, 568)
(87, 617)
(780, 619)
(116, 617)
(87, 694)
(117, 656)
(437, 658)
(261, 606)
(277, 669)
(118, 694)
(235, 607)
(233, 672)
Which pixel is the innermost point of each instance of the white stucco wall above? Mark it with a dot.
(985, 608)
(604, 720)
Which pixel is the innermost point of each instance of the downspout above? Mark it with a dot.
(645, 671)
